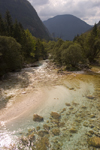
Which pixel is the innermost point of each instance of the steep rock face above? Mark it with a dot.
(24, 12)
(66, 26)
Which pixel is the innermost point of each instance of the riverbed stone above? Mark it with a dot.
(42, 144)
(42, 133)
(71, 88)
(92, 116)
(91, 126)
(24, 140)
(83, 115)
(68, 113)
(73, 130)
(47, 121)
(31, 130)
(47, 127)
(88, 134)
(31, 137)
(55, 121)
(38, 128)
(91, 132)
(71, 108)
(37, 118)
(55, 115)
(55, 131)
(75, 103)
(79, 120)
(67, 104)
(64, 109)
(84, 107)
(94, 141)
(86, 124)
(61, 124)
(90, 97)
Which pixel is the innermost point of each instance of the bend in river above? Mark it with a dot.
(41, 90)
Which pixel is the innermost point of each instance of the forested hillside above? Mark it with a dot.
(66, 27)
(17, 46)
(76, 54)
(23, 11)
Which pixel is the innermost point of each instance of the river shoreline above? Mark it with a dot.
(42, 90)
(24, 89)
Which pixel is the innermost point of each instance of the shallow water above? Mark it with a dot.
(76, 89)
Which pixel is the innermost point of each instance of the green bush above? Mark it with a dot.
(10, 58)
(72, 55)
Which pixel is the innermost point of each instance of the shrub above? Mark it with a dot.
(72, 55)
(10, 58)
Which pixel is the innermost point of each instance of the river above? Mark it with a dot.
(41, 90)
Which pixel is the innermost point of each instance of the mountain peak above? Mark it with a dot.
(66, 26)
(24, 12)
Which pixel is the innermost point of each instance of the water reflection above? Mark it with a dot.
(7, 138)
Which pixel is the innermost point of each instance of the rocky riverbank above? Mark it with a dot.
(69, 105)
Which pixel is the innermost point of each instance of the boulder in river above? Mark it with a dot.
(55, 115)
(37, 118)
(94, 141)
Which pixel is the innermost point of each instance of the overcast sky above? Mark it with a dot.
(87, 10)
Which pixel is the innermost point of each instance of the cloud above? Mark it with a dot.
(84, 9)
(38, 2)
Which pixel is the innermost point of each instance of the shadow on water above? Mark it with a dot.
(18, 80)
(3, 103)
(12, 80)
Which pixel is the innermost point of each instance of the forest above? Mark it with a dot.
(52, 106)
(18, 47)
(79, 53)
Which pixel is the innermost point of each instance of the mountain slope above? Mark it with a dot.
(23, 11)
(98, 24)
(66, 26)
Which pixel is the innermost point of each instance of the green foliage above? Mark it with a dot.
(2, 26)
(94, 30)
(10, 58)
(66, 53)
(17, 44)
(29, 47)
(56, 52)
(90, 43)
(23, 11)
(19, 33)
(40, 52)
(72, 55)
(8, 24)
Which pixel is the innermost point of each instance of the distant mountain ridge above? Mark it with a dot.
(24, 12)
(66, 26)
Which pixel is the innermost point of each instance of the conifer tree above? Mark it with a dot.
(9, 24)
(2, 26)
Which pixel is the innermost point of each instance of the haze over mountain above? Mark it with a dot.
(66, 26)
(24, 12)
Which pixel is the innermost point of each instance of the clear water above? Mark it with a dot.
(74, 88)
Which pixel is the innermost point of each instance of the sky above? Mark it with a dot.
(87, 10)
